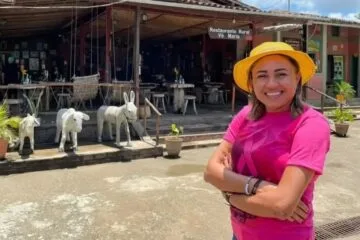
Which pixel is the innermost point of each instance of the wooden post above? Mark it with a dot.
(304, 48)
(233, 99)
(322, 103)
(82, 50)
(108, 43)
(136, 54)
(145, 122)
(204, 53)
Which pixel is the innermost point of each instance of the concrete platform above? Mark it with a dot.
(46, 159)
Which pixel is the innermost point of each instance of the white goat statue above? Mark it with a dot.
(117, 115)
(69, 121)
(26, 129)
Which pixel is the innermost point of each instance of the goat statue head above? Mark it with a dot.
(75, 118)
(130, 107)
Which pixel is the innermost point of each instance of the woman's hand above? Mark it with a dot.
(300, 213)
(227, 161)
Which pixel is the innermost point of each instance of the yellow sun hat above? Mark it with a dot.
(307, 66)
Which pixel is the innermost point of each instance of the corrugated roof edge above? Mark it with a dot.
(316, 17)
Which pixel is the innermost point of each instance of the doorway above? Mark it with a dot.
(355, 73)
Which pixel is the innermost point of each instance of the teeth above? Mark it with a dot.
(273, 93)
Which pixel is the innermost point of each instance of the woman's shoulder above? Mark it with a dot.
(311, 116)
(243, 113)
(310, 112)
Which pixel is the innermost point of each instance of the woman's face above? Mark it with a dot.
(274, 82)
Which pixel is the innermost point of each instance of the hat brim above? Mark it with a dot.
(241, 69)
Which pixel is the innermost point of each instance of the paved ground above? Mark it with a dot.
(153, 199)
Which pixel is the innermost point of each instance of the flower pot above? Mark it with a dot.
(3, 148)
(173, 146)
(341, 129)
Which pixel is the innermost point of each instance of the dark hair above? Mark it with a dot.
(258, 109)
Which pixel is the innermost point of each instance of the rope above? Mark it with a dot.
(91, 42)
(75, 35)
(127, 54)
(71, 40)
(113, 40)
(97, 38)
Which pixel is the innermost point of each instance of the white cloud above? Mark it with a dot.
(349, 16)
(321, 7)
(305, 5)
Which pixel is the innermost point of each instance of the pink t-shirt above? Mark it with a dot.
(263, 149)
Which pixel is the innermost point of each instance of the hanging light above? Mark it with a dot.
(144, 17)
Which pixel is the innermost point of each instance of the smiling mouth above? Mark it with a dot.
(274, 94)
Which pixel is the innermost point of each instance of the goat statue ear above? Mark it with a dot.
(37, 122)
(28, 115)
(86, 117)
(126, 98)
(132, 96)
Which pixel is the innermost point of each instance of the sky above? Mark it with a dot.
(345, 9)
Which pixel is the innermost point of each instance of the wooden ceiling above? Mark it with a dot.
(160, 24)
(165, 25)
(18, 22)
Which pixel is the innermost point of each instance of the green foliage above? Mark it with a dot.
(175, 130)
(343, 115)
(8, 125)
(345, 89)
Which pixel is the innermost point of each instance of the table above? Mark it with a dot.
(213, 88)
(26, 88)
(179, 95)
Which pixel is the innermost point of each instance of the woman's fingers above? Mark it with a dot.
(303, 206)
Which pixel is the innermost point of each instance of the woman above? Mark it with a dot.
(274, 149)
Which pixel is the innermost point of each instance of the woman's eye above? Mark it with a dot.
(261, 76)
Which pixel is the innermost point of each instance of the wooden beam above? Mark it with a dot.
(127, 29)
(108, 44)
(136, 53)
(181, 29)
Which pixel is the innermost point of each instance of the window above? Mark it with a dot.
(335, 31)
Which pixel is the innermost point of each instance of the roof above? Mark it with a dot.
(238, 5)
(233, 4)
(316, 17)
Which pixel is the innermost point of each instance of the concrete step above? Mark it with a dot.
(197, 144)
(195, 137)
(50, 158)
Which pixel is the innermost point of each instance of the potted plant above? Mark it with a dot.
(344, 91)
(173, 142)
(342, 117)
(8, 129)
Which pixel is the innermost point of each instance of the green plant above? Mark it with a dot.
(8, 125)
(175, 130)
(345, 89)
(343, 115)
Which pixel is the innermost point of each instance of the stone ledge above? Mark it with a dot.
(49, 159)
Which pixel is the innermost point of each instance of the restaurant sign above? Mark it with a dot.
(231, 34)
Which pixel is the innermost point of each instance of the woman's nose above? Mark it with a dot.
(272, 82)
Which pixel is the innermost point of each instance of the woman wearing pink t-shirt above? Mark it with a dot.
(274, 149)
